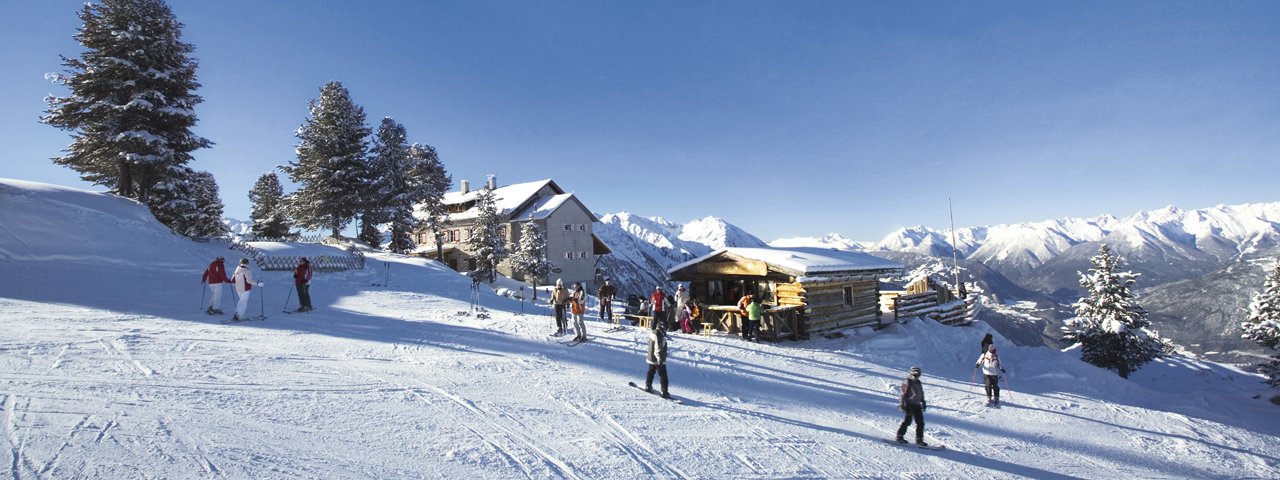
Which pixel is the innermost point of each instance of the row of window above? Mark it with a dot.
(575, 255)
(569, 227)
(464, 234)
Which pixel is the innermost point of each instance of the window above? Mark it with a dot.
(848, 296)
(568, 227)
(582, 227)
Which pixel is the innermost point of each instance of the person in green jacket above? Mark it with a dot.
(755, 312)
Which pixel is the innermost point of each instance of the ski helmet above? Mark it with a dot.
(915, 371)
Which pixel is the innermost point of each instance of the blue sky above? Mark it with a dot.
(785, 118)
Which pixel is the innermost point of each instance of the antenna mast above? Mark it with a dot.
(955, 264)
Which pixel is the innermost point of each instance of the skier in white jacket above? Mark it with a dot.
(991, 370)
(244, 282)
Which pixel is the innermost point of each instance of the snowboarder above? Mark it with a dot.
(658, 307)
(657, 360)
(913, 406)
(215, 275)
(751, 327)
(559, 296)
(577, 306)
(244, 282)
(302, 281)
(986, 343)
(606, 294)
(991, 370)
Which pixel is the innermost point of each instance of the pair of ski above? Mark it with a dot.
(670, 398)
(573, 343)
(245, 319)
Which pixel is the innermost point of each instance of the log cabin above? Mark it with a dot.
(807, 290)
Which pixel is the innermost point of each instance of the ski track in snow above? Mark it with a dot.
(389, 381)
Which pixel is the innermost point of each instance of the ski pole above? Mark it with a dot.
(286, 299)
(202, 294)
(1006, 385)
(973, 379)
(262, 301)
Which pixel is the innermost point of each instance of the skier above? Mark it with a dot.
(657, 360)
(684, 316)
(302, 281)
(559, 296)
(244, 282)
(681, 297)
(913, 406)
(742, 312)
(991, 370)
(986, 343)
(606, 294)
(658, 308)
(751, 327)
(215, 275)
(577, 306)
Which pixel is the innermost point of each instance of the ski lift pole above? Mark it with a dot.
(522, 300)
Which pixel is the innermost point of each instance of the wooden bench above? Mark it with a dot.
(645, 320)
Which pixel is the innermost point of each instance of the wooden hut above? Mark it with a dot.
(807, 289)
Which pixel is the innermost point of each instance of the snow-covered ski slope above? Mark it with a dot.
(108, 369)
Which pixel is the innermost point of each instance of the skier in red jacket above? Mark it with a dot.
(215, 276)
(302, 281)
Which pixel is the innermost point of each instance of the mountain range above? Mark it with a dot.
(1198, 267)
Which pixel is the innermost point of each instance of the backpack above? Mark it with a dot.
(576, 307)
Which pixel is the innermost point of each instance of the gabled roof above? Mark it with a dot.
(507, 199)
(803, 261)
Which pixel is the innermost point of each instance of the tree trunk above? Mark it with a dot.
(124, 184)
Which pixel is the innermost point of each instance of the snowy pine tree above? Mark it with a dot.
(331, 167)
(173, 201)
(207, 219)
(390, 192)
(433, 181)
(486, 245)
(1263, 323)
(268, 214)
(1111, 327)
(529, 255)
(131, 106)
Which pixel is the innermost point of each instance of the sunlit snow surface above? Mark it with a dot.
(108, 369)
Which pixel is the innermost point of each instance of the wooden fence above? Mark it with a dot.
(779, 322)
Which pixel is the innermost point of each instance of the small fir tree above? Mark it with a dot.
(529, 255)
(172, 201)
(131, 106)
(487, 244)
(207, 221)
(331, 167)
(1111, 327)
(1263, 324)
(268, 214)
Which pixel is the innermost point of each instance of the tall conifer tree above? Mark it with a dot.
(207, 220)
(331, 167)
(132, 105)
(434, 182)
(1111, 327)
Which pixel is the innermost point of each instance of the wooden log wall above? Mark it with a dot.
(825, 303)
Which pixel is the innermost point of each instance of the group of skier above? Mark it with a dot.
(215, 276)
(912, 402)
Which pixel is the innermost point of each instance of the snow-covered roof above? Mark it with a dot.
(805, 261)
(506, 199)
(542, 207)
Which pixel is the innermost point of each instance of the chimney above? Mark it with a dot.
(466, 187)
(493, 182)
